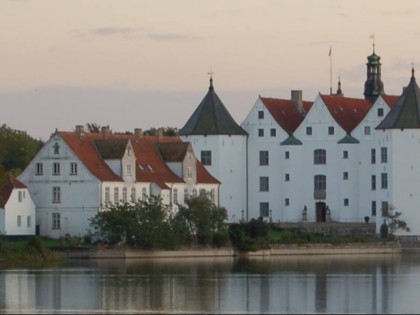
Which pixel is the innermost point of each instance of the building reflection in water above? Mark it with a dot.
(346, 284)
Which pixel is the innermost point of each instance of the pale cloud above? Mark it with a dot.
(165, 37)
(108, 31)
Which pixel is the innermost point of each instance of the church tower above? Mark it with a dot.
(220, 143)
(373, 85)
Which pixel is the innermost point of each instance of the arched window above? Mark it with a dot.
(320, 156)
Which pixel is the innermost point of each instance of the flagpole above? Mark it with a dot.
(330, 54)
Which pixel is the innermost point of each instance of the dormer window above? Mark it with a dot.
(56, 148)
(150, 168)
(380, 112)
(129, 151)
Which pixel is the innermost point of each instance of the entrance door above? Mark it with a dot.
(321, 212)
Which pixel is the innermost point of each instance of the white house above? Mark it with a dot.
(76, 174)
(17, 210)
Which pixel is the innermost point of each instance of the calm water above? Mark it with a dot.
(314, 284)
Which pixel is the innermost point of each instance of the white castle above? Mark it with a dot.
(334, 159)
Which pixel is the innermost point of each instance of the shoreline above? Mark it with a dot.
(276, 250)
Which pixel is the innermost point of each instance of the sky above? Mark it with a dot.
(140, 64)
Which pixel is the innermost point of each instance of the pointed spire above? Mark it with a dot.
(413, 78)
(211, 88)
(339, 91)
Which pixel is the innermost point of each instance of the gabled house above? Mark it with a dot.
(17, 210)
(76, 174)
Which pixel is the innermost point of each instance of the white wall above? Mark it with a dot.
(22, 207)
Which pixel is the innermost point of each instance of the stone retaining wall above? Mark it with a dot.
(276, 250)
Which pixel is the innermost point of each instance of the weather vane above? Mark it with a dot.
(372, 37)
(211, 76)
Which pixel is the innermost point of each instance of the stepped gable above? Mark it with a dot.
(211, 118)
(285, 112)
(347, 112)
(10, 183)
(406, 112)
(150, 167)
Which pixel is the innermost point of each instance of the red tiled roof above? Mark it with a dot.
(391, 100)
(150, 166)
(285, 112)
(10, 183)
(347, 112)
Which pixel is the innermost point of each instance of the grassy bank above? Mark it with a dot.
(27, 252)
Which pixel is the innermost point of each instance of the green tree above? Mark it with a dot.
(144, 224)
(393, 221)
(203, 222)
(17, 149)
(166, 131)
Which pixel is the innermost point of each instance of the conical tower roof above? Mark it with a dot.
(211, 118)
(406, 112)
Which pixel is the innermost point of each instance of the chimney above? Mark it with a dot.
(296, 99)
(138, 132)
(105, 130)
(80, 129)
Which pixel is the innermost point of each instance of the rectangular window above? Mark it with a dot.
(287, 177)
(260, 114)
(346, 202)
(202, 192)
(212, 195)
(373, 209)
(56, 148)
(264, 209)
(345, 154)
(56, 221)
(194, 192)
(124, 194)
(373, 182)
(19, 221)
(73, 168)
(107, 194)
(373, 156)
(384, 180)
(331, 130)
(273, 132)
(308, 131)
(189, 172)
(175, 195)
(367, 130)
(133, 194)
(264, 158)
(384, 208)
(116, 194)
(380, 112)
(20, 196)
(39, 169)
(185, 194)
(206, 157)
(260, 132)
(384, 155)
(287, 202)
(144, 192)
(128, 169)
(56, 198)
(345, 175)
(320, 156)
(286, 155)
(264, 183)
(28, 221)
(56, 168)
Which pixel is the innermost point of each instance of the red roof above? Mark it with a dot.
(10, 183)
(150, 167)
(391, 100)
(286, 113)
(347, 112)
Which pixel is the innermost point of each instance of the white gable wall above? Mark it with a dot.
(228, 154)
(19, 205)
